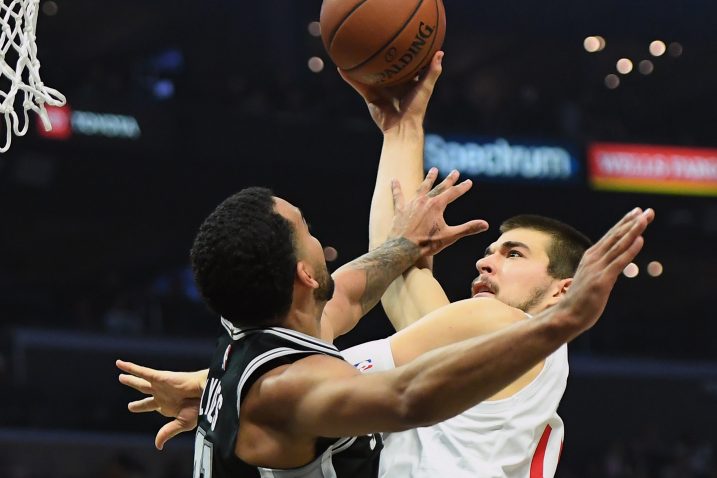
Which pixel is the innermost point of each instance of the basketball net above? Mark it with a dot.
(18, 19)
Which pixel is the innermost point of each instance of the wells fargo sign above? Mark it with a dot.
(655, 169)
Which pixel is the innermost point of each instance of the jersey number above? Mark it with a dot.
(203, 451)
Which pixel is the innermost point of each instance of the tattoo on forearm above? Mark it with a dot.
(382, 266)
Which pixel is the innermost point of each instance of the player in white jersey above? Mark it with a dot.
(488, 440)
(518, 433)
(454, 448)
(522, 271)
(432, 451)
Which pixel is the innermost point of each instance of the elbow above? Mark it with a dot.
(418, 409)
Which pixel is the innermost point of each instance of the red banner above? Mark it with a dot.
(655, 169)
(61, 121)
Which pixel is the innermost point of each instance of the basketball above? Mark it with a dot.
(382, 42)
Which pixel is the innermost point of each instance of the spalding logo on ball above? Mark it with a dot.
(382, 42)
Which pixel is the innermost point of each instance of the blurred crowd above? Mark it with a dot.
(652, 455)
(164, 303)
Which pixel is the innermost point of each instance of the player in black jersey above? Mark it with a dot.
(258, 266)
(280, 402)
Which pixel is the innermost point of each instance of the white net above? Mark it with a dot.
(18, 19)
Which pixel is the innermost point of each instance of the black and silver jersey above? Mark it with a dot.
(243, 356)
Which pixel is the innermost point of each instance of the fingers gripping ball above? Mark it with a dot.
(382, 42)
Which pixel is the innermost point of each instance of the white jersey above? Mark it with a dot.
(517, 437)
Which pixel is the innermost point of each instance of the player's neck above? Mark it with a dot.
(305, 311)
(537, 309)
(305, 319)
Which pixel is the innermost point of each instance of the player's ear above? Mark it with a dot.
(305, 275)
(559, 290)
(563, 286)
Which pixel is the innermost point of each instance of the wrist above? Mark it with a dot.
(560, 324)
(407, 129)
(410, 250)
(201, 380)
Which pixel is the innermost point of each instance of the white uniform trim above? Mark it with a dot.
(303, 339)
(342, 444)
(321, 467)
(258, 362)
(371, 357)
(288, 334)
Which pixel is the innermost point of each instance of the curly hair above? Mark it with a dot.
(244, 259)
(567, 244)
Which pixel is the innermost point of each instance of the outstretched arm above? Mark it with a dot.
(447, 368)
(314, 399)
(172, 394)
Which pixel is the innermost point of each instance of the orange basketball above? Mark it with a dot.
(382, 42)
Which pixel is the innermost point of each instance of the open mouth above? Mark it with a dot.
(481, 289)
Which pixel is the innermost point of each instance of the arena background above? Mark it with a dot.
(175, 105)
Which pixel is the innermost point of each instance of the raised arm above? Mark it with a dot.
(417, 230)
(399, 115)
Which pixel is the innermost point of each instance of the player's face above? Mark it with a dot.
(309, 248)
(514, 270)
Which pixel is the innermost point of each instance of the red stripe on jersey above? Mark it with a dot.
(538, 462)
(560, 454)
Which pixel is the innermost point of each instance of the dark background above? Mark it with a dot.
(96, 230)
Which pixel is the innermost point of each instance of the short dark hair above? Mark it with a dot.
(244, 259)
(567, 244)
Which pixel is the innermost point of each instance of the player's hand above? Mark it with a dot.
(600, 267)
(421, 220)
(404, 104)
(173, 394)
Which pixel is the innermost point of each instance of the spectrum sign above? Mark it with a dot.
(653, 169)
(497, 159)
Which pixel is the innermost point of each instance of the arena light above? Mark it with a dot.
(50, 8)
(314, 29)
(624, 66)
(163, 89)
(657, 48)
(655, 269)
(646, 67)
(330, 253)
(592, 44)
(675, 50)
(316, 64)
(631, 271)
(612, 81)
